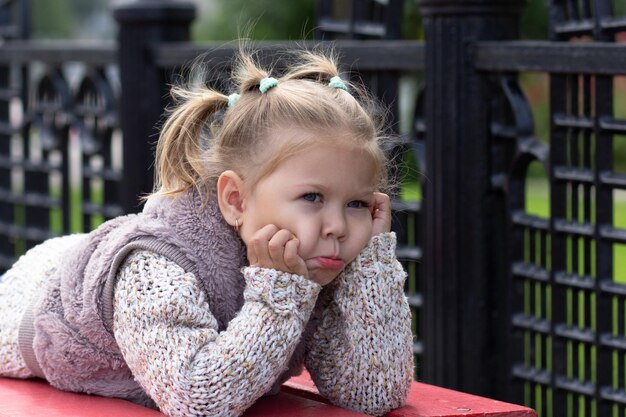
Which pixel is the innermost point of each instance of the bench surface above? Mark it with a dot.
(298, 397)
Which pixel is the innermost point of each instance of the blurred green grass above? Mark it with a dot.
(538, 203)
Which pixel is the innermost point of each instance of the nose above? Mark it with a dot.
(335, 224)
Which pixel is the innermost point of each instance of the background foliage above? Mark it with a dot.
(227, 19)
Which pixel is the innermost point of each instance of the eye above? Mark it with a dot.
(312, 197)
(358, 204)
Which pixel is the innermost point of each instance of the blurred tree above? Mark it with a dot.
(276, 19)
(64, 18)
(51, 19)
(412, 26)
(260, 19)
(535, 20)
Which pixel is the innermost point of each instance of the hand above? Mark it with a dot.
(275, 248)
(381, 214)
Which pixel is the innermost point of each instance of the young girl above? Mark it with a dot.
(266, 247)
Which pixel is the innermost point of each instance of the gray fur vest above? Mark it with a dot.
(66, 335)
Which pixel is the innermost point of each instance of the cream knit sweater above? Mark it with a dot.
(359, 358)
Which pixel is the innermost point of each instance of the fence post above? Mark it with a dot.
(142, 25)
(464, 336)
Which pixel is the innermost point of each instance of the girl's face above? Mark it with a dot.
(324, 196)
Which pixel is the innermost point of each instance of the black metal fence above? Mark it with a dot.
(567, 295)
(58, 139)
(507, 304)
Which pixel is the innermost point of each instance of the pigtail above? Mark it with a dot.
(314, 66)
(248, 74)
(179, 155)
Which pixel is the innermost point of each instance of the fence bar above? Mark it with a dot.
(144, 85)
(371, 55)
(461, 207)
(58, 52)
(569, 58)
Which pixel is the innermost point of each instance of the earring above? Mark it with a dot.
(236, 225)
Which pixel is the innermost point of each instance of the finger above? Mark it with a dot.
(381, 214)
(276, 247)
(382, 202)
(293, 261)
(258, 246)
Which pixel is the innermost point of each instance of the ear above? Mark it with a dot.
(230, 196)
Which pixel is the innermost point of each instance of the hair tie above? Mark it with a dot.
(267, 83)
(232, 99)
(337, 82)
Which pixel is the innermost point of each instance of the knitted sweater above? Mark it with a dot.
(360, 356)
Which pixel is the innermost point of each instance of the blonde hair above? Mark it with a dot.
(202, 137)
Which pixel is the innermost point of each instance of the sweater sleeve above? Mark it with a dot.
(170, 340)
(361, 356)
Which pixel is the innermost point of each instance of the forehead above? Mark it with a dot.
(326, 165)
(281, 144)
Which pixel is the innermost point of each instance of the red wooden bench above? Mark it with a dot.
(298, 397)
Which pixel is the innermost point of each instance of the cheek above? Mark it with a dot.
(362, 232)
(289, 220)
(290, 217)
(262, 211)
(308, 235)
(364, 237)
